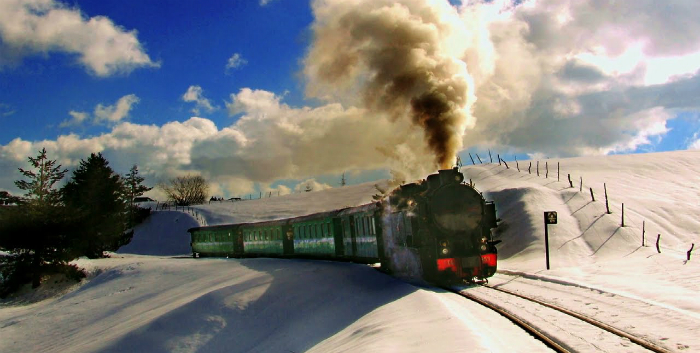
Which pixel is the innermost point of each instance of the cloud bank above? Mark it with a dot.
(42, 26)
(565, 78)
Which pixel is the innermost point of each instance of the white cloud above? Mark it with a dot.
(270, 141)
(568, 77)
(77, 118)
(103, 113)
(42, 26)
(235, 61)
(265, 2)
(6, 110)
(117, 112)
(196, 94)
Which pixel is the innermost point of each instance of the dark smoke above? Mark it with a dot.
(398, 55)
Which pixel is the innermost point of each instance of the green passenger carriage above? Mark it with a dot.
(440, 226)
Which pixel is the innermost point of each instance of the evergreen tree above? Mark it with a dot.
(39, 189)
(133, 189)
(36, 233)
(96, 194)
(132, 182)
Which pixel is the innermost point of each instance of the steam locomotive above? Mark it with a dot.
(437, 230)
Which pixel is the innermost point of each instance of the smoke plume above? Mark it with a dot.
(403, 61)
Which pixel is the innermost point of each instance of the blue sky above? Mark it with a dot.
(274, 95)
(190, 41)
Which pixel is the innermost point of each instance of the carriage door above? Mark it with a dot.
(288, 240)
(353, 234)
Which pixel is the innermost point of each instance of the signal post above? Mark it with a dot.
(550, 217)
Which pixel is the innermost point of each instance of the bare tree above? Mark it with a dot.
(186, 190)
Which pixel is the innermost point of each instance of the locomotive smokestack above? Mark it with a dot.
(405, 60)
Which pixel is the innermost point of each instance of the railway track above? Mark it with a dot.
(559, 328)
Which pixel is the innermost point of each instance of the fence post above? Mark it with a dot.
(571, 184)
(504, 162)
(546, 166)
(557, 171)
(491, 158)
(538, 168)
(477, 157)
(691, 250)
(622, 224)
(472, 158)
(658, 239)
(643, 231)
(592, 197)
(580, 188)
(499, 158)
(607, 207)
(529, 169)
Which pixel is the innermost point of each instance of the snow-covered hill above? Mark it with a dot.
(143, 300)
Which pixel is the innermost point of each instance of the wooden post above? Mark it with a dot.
(529, 168)
(516, 163)
(643, 231)
(580, 188)
(557, 171)
(499, 159)
(491, 158)
(691, 250)
(607, 207)
(538, 168)
(546, 167)
(657, 243)
(472, 158)
(504, 162)
(622, 224)
(477, 157)
(571, 184)
(592, 197)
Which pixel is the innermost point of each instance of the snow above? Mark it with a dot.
(152, 297)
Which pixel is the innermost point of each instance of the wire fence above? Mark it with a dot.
(171, 206)
(646, 236)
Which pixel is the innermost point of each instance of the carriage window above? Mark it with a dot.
(313, 231)
(279, 234)
(319, 232)
(296, 232)
(326, 231)
(374, 229)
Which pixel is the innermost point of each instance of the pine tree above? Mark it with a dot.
(37, 231)
(39, 188)
(97, 195)
(132, 182)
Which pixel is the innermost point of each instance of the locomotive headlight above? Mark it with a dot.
(483, 248)
(410, 203)
(445, 251)
(483, 240)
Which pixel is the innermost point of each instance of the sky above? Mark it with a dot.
(273, 95)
